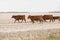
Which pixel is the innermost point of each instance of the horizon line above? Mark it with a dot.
(33, 12)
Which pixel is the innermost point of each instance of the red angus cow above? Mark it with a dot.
(36, 18)
(55, 18)
(19, 17)
(48, 17)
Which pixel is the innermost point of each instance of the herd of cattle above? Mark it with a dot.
(33, 18)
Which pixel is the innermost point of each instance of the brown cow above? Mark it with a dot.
(55, 18)
(59, 18)
(36, 18)
(48, 17)
(19, 17)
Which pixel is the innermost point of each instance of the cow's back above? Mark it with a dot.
(47, 16)
(18, 16)
(36, 17)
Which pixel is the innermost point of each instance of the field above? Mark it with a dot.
(28, 31)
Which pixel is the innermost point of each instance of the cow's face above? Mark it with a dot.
(29, 16)
(13, 16)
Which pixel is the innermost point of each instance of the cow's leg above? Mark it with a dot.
(22, 21)
(41, 21)
(54, 19)
(18, 21)
(32, 21)
(51, 20)
(59, 18)
(25, 20)
(44, 20)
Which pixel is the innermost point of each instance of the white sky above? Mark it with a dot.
(30, 5)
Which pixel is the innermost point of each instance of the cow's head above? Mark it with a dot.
(29, 16)
(13, 16)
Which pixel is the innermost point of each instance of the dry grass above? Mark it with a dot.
(32, 35)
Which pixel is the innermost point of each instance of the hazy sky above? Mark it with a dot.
(30, 5)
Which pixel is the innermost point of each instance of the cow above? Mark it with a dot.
(55, 18)
(48, 17)
(35, 18)
(59, 18)
(19, 17)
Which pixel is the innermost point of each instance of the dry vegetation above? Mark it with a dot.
(53, 34)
